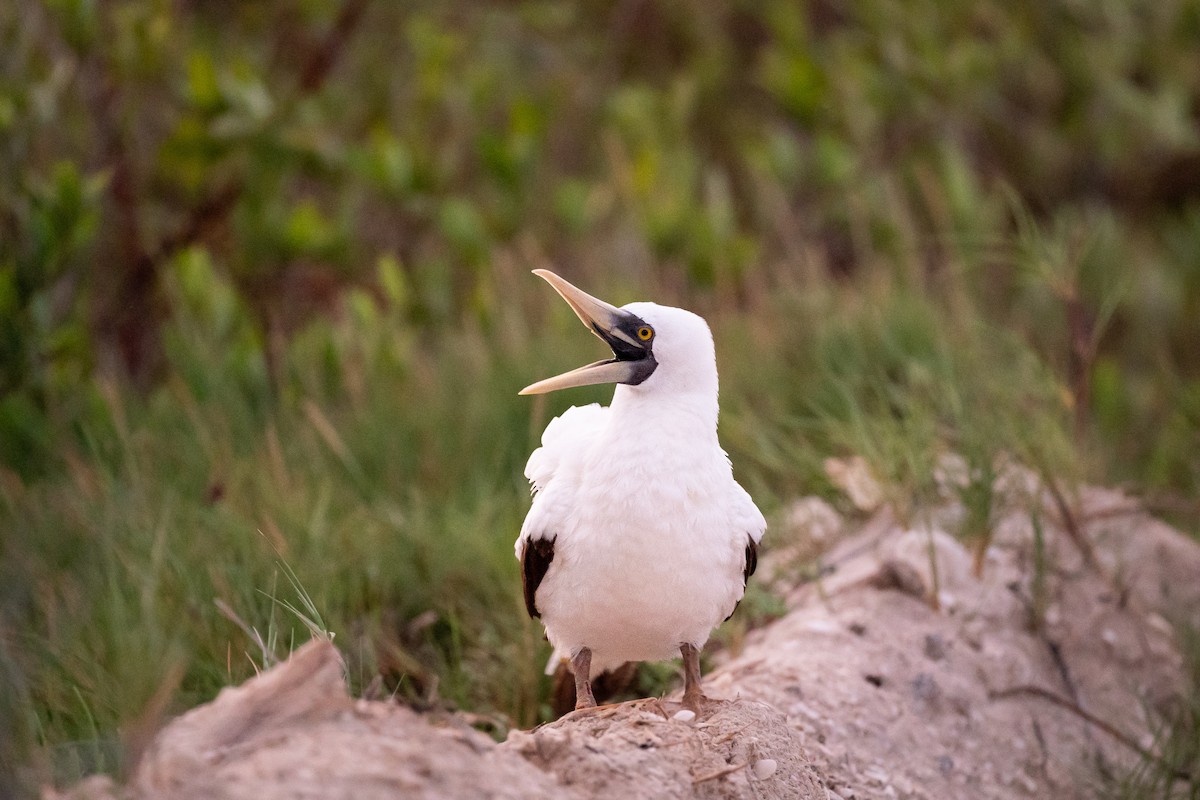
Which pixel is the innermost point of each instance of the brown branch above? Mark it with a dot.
(103, 100)
(322, 61)
(1179, 773)
(126, 312)
(1069, 520)
(201, 219)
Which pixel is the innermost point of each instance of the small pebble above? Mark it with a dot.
(877, 774)
(684, 715)
(925, 688)
(935, 647)
(765, 768)
(822, 626)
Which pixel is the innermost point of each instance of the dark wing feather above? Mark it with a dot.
(535, 560)
(748, 570)
(751, 560)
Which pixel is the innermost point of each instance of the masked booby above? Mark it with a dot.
(639, 541)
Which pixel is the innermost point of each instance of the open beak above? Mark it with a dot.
(632, 361)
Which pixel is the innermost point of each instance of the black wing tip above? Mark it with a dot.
(535, 561)
(751, 559)
(747, 571)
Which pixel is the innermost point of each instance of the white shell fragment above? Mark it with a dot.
(765, 768)
(684, 715)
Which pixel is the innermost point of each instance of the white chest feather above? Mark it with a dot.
(650, 534)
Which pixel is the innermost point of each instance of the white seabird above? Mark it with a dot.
(639, 541)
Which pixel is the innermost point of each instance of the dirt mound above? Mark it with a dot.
(739, 749)
(916, 669)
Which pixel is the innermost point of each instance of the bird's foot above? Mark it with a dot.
(588, 710)
(586, 701)
(700, 704)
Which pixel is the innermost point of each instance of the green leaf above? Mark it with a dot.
(8, 110)
(308, 231)
(461, 223)
(392, 280)
(204, 91)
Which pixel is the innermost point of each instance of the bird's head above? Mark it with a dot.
(656, 349)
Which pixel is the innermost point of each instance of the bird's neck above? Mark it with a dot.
(689, 414)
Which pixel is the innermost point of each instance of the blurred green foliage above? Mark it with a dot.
(264, 297)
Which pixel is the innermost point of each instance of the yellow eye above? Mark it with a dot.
(645, 333)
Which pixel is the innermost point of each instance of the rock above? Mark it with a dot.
(935, 647)
(854, 477)
(813, 518)
(94, 787)
(949, 727)
(294, 732)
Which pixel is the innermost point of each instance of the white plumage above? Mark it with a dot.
(651, 535)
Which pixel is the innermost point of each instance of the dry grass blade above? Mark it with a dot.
(268, 657)
(1092, 719)
(720, 773)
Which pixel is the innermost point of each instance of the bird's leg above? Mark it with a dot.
(693, 698)
(581, 665)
